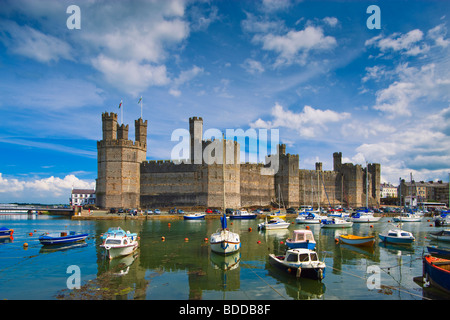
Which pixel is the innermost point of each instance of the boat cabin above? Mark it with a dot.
(302, 236)
(117, 241)
(299, 256)
(399, 234)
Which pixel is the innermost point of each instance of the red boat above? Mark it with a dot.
(436, 271)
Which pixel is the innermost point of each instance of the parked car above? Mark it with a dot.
(208, 211)
(291, 210)
(172, 211)
(180, 211)
(157, 211)
(229, 211)
(149, 211)
(216, 211)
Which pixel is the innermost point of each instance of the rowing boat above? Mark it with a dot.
(357, 240)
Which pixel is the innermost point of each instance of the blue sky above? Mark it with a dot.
(311, 69)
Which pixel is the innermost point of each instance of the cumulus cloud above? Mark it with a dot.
(51, 187)
(409, 43)
(252, 66)
(294, 46)
(307, 123)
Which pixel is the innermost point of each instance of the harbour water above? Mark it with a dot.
(182, 267)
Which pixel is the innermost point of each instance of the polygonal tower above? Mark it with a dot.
(118, 164)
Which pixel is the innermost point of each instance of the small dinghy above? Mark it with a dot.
(443, 235)
(301, 239)
(6, 232)
(438, 251)
(436, 272)
(300, 262)
(62, 237)
(357, 240)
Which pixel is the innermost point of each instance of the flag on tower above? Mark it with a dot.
(140, 99)
(120, 104)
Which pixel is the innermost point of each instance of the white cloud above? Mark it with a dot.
(252, 66)
(31, 43)
(46, 188)
(185, 76)
(307, 123)
(131, 76)
(294, 46)
(437, 34)
(331, 21)
(410, 43)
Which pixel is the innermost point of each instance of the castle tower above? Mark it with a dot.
(287, 178)
(196, 134)
(109, 126)
(140, 127)
(337, 161)
(118, 165)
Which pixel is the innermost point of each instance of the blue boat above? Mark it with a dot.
(194, 216)
(443, 252)
(397, 236)
(6, 232)
(62, 237)
(436, 272)
(301, 239)
(243, 215)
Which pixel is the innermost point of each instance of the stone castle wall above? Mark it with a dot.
(126, 180)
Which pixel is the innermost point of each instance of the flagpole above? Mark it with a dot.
(121, 112)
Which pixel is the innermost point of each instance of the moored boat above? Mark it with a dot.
(438, 251)
(436, 271)
(277, 214)
(224, 241)
(310, 218)
(357, 240)
(119, 244)
(6, 232)
(335, 223)
(63, 237)
(300, 262)
(364, 216)
(194, 216)
(273, 224)
(243, 214)
(397, 236)
(408, 217)
(443, 235)
(301, 239)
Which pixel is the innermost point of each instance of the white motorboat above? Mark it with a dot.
(363, 216)
(397, 236)
(335, 223)
(272, 224)
(300, 262)
(224, 241)
(310, 218)
(408, 217)
(194, 216)
(120, 244)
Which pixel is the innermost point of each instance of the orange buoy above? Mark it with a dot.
(336, 240)
(307, 227)
(371, 225)
(206, 239)
(281, 242)
(186, 239)
(163, 238)
(168, 224)
(25, 245)
(250, 229)
(259, 241)
(431, 225)
(30, 234)
(389, 220)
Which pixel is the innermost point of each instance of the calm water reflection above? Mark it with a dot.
(176, 269)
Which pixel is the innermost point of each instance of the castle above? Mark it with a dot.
(127, 180)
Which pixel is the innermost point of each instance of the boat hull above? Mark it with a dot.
(396, 240)
(121, 251)
(303, 244)
(365, 220)
(277, 226)
(47, 239)
(407, 219)
(439, 251)
(243, 217)
(194, 217)
(437, 272)
(316, 273)
(225, 242)
(440, 236)
(6, 233)
(357, 241)
(337, 224)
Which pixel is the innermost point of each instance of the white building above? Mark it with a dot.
(81, 197)
(388, 191)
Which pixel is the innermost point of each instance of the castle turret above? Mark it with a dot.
(122, 132)
(337, 161)
(196, 133)
(140, 127)
(109, 126)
